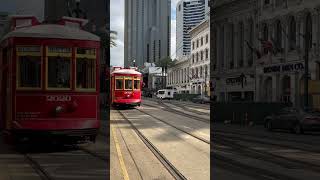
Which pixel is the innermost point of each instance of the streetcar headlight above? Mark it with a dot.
(59, 109)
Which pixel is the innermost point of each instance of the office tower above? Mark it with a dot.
(147, 31)
(189, 13)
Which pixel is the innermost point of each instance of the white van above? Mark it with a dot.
(165, 93)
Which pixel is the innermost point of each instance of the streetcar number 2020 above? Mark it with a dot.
(58, 98)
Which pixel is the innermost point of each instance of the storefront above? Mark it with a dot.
(240, 87)
(280, 82)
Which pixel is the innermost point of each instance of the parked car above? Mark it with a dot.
(201, 99)
(296, 120)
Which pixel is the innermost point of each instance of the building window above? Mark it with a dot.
(266, 2)
(292, 33)
(192, 45)
(197, 43)
(192, 58)
(278, 35)
(179, 8)
(201, 41)
(201, 55)
(207, 39)
(308, 34)
(197, 57)
(207, 53)
(241, 41)
(265, 36)
(201, 71)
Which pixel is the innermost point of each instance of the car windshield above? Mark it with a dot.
(161, 92)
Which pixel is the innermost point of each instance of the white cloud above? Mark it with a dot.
(117, 24)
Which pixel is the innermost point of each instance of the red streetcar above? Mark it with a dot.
(126, 86)
(49, 85)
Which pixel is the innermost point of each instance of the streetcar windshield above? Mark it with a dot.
(119, 84)
(29, 72)
(136, 84)
(85, 73)
(161, 92)
(128, 84)
(59, 68)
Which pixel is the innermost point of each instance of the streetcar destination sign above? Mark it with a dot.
(284, 68)
(58, 98)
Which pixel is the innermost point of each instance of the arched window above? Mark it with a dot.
(206, 71)
(192, 58)
(251, 36)
(241, 42)
(197, 73)
(292, 33)
(201, 55)
(308, 35)
(265, 36)
(278, 36)
(207, 54)
(197, 57)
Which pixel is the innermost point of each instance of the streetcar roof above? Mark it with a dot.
(126, 71)
(52, 31)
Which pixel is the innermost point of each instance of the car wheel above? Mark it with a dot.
(297, 129)
(269, 125)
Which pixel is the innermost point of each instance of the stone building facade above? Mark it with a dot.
(200, 58)
(274, 75)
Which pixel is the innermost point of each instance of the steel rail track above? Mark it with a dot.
(38, 168)
(170, 167)
(169, 124)
(247, 170)
(190, 109)
(169, 109)
(249, 138)
(94, 154)
(285, 162)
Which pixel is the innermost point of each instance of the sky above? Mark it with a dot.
(117, 24)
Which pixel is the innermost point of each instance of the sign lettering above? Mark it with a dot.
(58, 98)
(284, 68)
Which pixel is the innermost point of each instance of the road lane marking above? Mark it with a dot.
(120, 157)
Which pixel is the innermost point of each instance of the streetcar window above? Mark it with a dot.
(29, 72)
(119, 84)
(128, 84)
(59, 70)
(136, 84)
(86, 73)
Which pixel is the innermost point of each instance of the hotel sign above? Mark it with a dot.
(292, 67)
